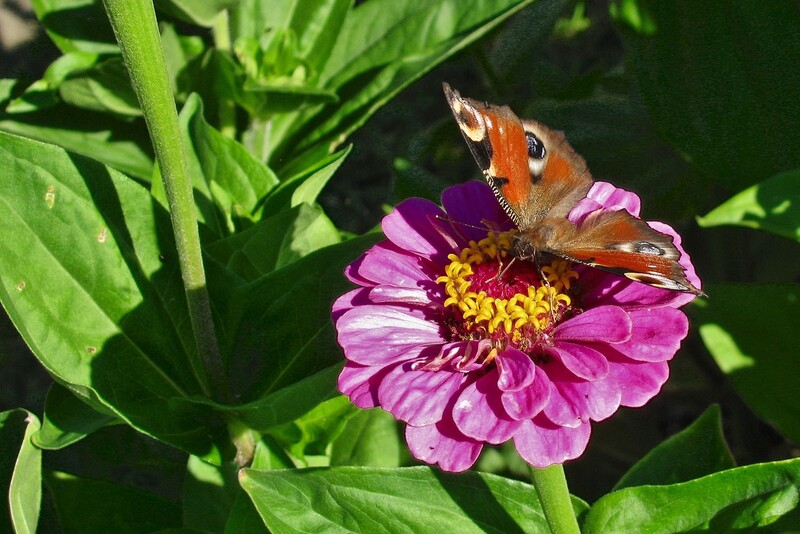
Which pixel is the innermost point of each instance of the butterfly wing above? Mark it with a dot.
(532, 170)
(620, 243)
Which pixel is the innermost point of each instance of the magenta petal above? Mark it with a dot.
(657, 334)
(441, 443)
(386, 264)
(517, 370)
(351, 299)
(574, 401)
(414, 226)
(418, 397)
(375, 334)
(360, 383)
(604, 323)
(582, 361)
(525, 403)
(542, 443)
(604, 196)
(641, 381)
(479, 412)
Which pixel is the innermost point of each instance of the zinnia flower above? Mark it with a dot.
(469, 348)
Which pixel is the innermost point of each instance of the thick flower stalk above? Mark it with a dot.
(468, 347)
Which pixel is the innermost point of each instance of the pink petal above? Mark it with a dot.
(479, 412)
(414, 226)
(517, 370)
(581, 360)
(639, 381)
(574, 401)
(360, 383)
(473, 203)
(657, 334)
(379, 334)
(525, 403)
(386, 264)
(441, 443)
(351, 299)
(418, 397)
(542, 443)
(604, 323)
(407, 295)
(605, 196)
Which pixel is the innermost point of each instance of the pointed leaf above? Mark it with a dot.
(417, 499)
(67, 419)
(772, 206)
(742, 499)
(275, 242)
(696, 451)
(20, 471)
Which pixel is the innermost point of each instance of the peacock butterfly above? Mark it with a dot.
(538, 179)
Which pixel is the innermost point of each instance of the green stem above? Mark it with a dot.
(551, 485)
(222, 41)
(136, 30)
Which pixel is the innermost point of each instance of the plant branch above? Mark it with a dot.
(136, 30)
(551, 485)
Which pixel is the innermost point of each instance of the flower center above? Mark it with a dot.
(507, 301)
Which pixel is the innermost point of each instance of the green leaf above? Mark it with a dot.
(20, 471)
(228, 181)
(371, 438)
(383, 46)
(706, 71)
(199, 12)
(86, 505)
(742, 499)
(67, 419)
(308, 437)
(209, 493)
(275, 242)
(264, 359)
(7, 89)
(417, 499)
(179, 52)
(696, 451)
(44, 93)
(105, 87)
(126, 147)
(76, 25)
(92, 283)
(306, 185)
(772, 206)
(754, 345)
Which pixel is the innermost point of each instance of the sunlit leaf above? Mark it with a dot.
(20, 472)
(91, 282)
(748, 329)
(419, 499)
(742, 499)
(772, 206)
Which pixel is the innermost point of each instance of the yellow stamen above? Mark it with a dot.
(496, 315)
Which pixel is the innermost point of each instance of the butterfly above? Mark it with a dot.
(538, 179)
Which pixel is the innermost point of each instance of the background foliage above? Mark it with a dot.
(302, 128)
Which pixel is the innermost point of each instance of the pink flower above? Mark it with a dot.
(467, 350)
